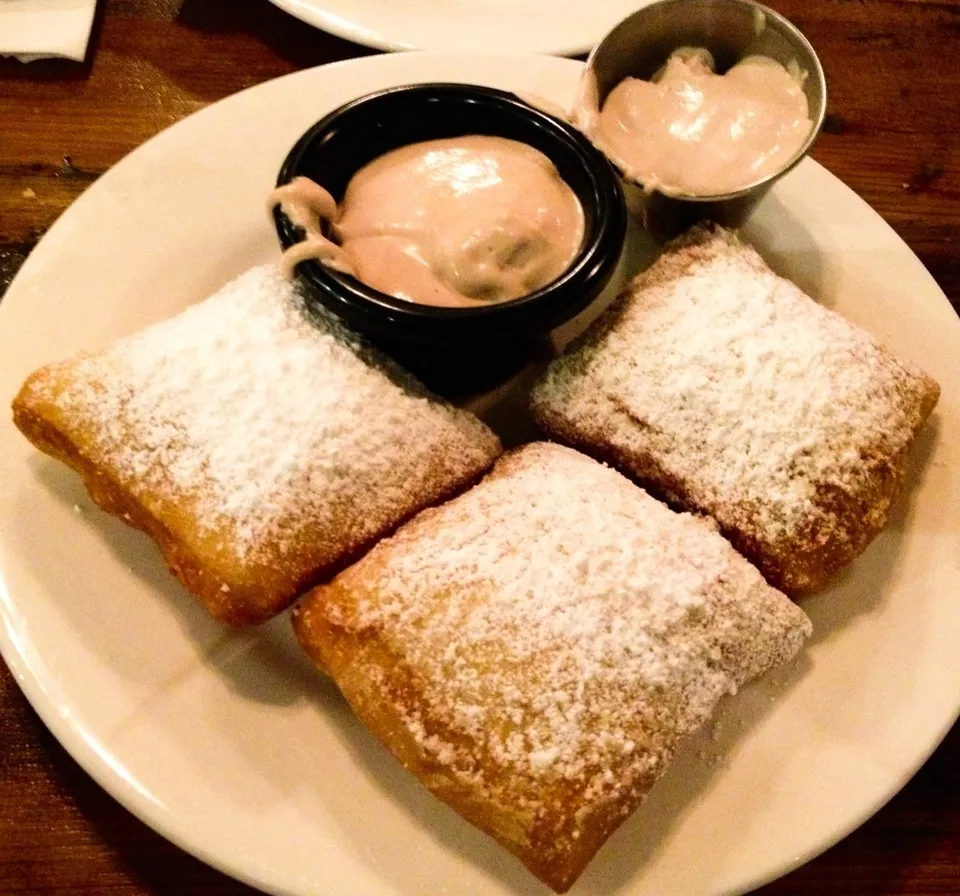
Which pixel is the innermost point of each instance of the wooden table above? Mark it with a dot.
(893, 135)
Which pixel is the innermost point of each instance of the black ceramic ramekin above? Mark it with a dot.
(456, 349)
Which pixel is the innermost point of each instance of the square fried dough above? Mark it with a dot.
(726, 390)
(534, 650)
(260, 444)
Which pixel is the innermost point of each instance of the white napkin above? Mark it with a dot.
(38, 29)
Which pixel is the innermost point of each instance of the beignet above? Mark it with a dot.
(726, 390)
(534, 650)
(261, 445)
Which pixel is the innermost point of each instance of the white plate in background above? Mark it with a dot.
(561, 27)
(233, 746)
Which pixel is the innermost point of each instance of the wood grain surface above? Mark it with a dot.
(893, 135)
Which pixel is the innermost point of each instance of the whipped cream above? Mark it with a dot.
(455, 222)
(692, 131)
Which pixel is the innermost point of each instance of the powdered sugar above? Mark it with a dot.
(716, 377)
(565, 625)
(261, 421)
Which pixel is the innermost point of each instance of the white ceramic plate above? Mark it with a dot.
(561, 27)
(231, 745)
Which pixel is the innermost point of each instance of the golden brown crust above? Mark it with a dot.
(261, 451)
(381, 688)
(239, 606)
(725, 390)
(534, 650)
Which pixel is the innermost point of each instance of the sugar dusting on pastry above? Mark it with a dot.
(260, 420)
(564, 624)
(714, 373)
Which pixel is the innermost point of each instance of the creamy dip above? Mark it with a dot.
(454, 222)
(690, 130)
